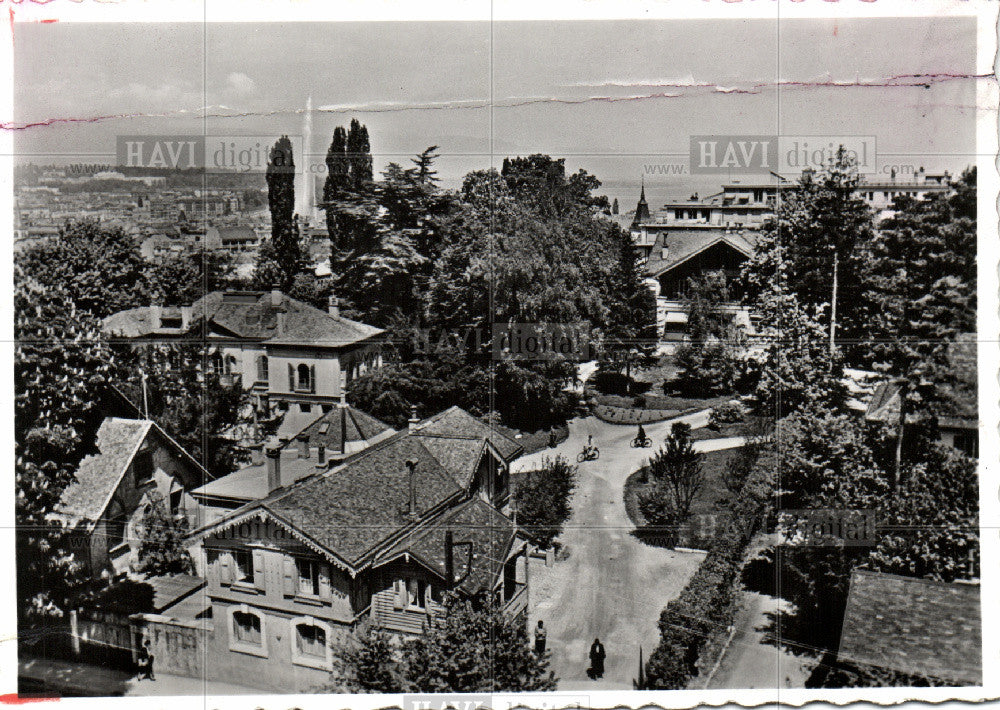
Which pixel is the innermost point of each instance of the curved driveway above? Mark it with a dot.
(611, 586)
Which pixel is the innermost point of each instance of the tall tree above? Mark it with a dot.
(921, 298)
(711, 358)
(813, 242)
(283, 257)
(61, 368)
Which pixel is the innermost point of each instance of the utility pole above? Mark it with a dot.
(833, 308)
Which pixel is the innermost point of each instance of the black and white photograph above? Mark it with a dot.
(481, 355)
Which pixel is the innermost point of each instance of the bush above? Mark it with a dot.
(728, 413)
(607, 382)
(706, 606)
(543, 498)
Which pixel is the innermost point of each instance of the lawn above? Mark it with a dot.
(706, 513)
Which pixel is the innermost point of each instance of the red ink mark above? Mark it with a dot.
(15, 699)
(52, 19)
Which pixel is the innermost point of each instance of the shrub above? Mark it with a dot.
(543, 498)
(728, 413)
(706, 606)
(607, 382)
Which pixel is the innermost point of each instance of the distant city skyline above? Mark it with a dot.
(612, 97)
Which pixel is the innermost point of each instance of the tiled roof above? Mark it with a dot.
(363, 501)
(456, 423)
(344, 424)
(352, 507)
(915, 626)
(490, 532)
(98, 475)
(250, 482)
(459, 456)
(684, 243)
(253, 316)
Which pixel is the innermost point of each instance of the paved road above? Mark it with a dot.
(612, 586)
(753, 660)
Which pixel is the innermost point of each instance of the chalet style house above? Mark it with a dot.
(718, 232)
(377, 538)
(289, 354)
(137, 465)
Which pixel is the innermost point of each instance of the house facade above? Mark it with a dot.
(718, 232)
(377, 538)
(137, 465)
(289, 354)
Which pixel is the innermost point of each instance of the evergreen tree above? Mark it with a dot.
(676, 477)
(921, 299)
(816, 240)
(614, 206)
(283, 258)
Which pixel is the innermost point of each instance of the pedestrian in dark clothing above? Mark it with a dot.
(596, 660)
(540, 637)
(145, 662)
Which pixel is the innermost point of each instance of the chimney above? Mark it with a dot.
(411, 464)
(280, 317)
(321, 456)
(257, 455)
(155, 313)
(414, 419)
(276, 298)
(186, 312)
(333, 306)
(273, 468)
(304, 446)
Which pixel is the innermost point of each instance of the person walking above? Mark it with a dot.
(540, 638)
(145, 662)
(596, 660)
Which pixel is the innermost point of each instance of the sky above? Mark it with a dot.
(616, 98)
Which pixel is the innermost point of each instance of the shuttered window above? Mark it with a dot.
(310, 640)
(246, 628)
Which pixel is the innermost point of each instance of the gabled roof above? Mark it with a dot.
(250, 315)
(98, 476)
(683, 244)
(361, 504)
(456, 423)
(490, 532)
(914, 626)
(344, 429)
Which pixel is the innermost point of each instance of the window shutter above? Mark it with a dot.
(400, 597)
(225, 568)
(291, 576)
(258, 569)
(312, 378)
(291, 378)
(324, 581)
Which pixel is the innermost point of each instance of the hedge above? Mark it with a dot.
(706, 607)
